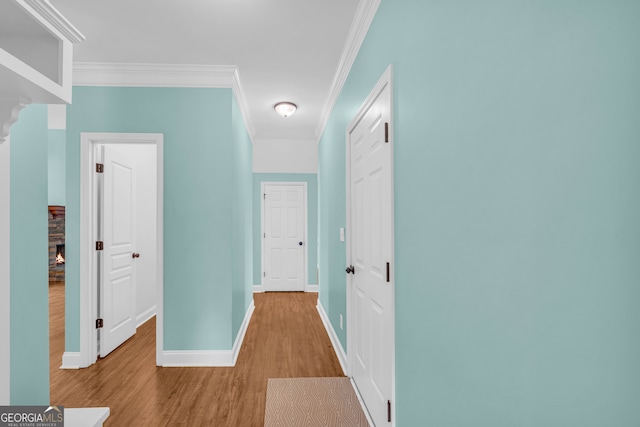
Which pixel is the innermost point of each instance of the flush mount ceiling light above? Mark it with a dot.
(285, 109)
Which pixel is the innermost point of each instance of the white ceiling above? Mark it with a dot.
(285, 50)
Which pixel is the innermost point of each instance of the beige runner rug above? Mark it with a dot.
(312, 402)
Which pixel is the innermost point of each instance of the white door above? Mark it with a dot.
(283, 233)
(371, 211)
(117, 301)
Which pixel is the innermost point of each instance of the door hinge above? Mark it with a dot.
(264, 196)
(264, 235)
(99, 245)
(388, 272)
(99, 323)
(388, 410)
(264, 274)
(99, 168)
(386, 132)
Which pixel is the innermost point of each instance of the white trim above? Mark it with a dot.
(143, 318)
(209, 358)
(237, 345)
(385, 80)
(362, 20)
(311, 288)
(88, 309)
(197, 358)
(71, 360)
(153, 75)
(5, 272)
(9, 112)
(243, 104)
(362, 405)
(258, 289)
(86, 417)
(337, 346)
(305, 206)
(52, 16)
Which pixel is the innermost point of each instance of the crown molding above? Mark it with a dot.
(165, 75)
(153, 75)
(362, 20)
(51, 15)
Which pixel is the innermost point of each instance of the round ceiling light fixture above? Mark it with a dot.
(285, 109)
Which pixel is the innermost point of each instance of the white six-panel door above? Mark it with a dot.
(371, 246)
(118, 307)
(284, 228)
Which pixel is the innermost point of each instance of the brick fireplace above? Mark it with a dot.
(56, 243)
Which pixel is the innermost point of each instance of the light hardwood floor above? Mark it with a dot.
(285, 338)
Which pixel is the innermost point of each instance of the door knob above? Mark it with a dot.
(351, 270)
(135, 255)
(300, 243)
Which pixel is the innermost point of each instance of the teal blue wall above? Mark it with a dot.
(241, 244)
(516, 208)
(57, 166)
(29, 259)
(198, 149)
(312, 225)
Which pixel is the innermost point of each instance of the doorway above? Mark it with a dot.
(284, 236)
(370, 257)
(111, 258)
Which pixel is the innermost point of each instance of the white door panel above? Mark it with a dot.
(371, 249)
(284, 237)
(118, 306)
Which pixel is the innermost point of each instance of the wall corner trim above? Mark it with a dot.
(71, 360)
(340, 353)
(362, 20)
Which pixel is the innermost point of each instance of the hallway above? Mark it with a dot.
(285, 338)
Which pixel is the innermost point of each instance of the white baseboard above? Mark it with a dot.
(209, 358)
(361, 401)
(71, 360)
(258, 289)
(194, 358)
(142, 318)
(340, 353)
(237, 345)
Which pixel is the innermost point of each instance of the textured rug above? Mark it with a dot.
(312, 402)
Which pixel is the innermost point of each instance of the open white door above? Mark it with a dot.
(117, 276)
(371, 318)
(284, 237)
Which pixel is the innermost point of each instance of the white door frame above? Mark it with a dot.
(385, 80)
(305, 273)
(5, 275)
(88, 268)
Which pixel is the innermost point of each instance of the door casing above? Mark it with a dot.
(385, 80)
(88, 264)
(305, 228)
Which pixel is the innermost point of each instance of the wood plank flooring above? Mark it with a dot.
(285, 339)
